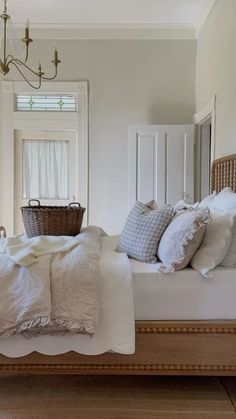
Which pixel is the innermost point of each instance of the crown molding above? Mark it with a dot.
(208, 6)
(140, 31)
(148, 31)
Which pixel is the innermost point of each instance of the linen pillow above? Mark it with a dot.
(181, 239)
(143, 230)
(216, 243)
(208, 201)
(226, 201)
(230, 259)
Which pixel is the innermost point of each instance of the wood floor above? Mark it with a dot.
(71, 397)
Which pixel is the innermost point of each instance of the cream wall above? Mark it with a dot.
(216, 72)
(130, 82)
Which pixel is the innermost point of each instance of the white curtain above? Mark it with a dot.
(45, 169)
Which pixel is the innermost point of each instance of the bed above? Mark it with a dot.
(194, 336)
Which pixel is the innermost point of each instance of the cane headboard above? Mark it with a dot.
(224, 173)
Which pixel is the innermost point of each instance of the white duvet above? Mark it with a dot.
(111, 316)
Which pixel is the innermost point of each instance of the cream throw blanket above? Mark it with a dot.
(24, 251)
(58, 293)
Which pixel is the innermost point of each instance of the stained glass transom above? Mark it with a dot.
(55, 103)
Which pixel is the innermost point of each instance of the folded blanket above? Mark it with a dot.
(115, 330)
(24, 251)
(59, 292)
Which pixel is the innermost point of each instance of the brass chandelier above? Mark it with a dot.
(9, 60)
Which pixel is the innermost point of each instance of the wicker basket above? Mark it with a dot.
(51, 220)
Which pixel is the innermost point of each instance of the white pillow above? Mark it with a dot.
(216, 243)
(208, 201)
(225, 200)
(230, 259)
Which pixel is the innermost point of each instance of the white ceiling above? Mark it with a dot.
(112, 14)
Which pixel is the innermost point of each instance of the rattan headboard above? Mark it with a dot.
(224, 173)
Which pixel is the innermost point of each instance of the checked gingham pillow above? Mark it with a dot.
(143, 230)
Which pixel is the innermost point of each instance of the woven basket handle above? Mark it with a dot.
(34, 200)
(74, 203)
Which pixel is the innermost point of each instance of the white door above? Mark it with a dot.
(45, 169)
(161, 163)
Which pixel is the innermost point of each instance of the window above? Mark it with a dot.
(45, 169)
(55, 103)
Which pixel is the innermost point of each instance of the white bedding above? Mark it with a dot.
(183, 295)
(115, 331)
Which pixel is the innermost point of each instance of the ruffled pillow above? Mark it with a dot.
(181, 239)
(183, 205)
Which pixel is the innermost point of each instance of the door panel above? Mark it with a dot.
(146, 164)
(174, 168)
(161, 163)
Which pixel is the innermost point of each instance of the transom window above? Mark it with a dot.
(55, 103)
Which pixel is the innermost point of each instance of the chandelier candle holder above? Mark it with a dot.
(9, 60)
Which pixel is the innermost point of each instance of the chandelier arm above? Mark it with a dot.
(10, 58)
(19, 62)
(50, 78)
(27, 81)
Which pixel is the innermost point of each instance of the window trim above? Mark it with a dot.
(13, 120)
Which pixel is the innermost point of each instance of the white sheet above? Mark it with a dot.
(183, 295)
(115, 331)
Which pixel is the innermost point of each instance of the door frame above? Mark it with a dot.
(199, 119)
(65, 121)
(208, 112)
